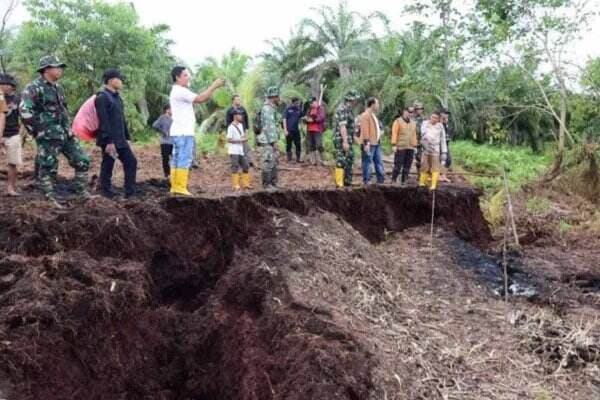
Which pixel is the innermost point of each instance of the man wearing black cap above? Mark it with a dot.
(113, 135)
(291, 127)
(44, 113)
(10, 138)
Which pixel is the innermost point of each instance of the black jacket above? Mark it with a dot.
(113, 126)
(229, 117)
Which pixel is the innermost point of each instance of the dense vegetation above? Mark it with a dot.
(500, 67)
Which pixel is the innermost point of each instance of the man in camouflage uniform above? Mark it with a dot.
(418, 118)
(343, 139)
(268, 138)
(44, 112)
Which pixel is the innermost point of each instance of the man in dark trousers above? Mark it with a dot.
(291, 127)
(113, 135)
(163, 126)
(236, 105)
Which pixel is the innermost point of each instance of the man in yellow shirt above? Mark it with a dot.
(404, 141)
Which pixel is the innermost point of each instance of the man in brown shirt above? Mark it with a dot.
(404, 140)
(369, 140)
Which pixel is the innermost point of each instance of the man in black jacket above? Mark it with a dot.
(236, 104)
(113, 135)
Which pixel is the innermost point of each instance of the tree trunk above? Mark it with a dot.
(315, 83)
(142, 105)
(445, 16)
(563, 123)
(344, 70)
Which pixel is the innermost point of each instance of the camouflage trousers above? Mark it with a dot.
(345, 160)
(419, 158)
(48, 151)
(268, 165)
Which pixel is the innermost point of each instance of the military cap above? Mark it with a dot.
(352, 95)
(273, 91)
(50, 62)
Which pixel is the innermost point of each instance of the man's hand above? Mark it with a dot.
(287, 133)
(275, 147)
(111, 150)
(396, 149)
(444, 158)
(345, 146)
(2, 142)
(366, 147)
(219, 82)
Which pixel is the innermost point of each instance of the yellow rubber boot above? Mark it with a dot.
(423, 178)
(181, 182)
(174, 180)
(235, 181)
(339, 177)
(435, 177)
(246, 181)
(184, 176)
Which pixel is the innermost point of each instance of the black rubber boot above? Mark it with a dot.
(266, 179)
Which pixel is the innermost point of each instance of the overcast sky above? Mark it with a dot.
(203, 29)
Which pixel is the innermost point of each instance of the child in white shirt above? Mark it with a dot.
(236, 137)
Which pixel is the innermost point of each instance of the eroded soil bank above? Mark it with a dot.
(291, 295)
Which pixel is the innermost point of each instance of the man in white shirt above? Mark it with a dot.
(183, 128)
(236, 139)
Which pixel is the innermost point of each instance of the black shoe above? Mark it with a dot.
(138, 194)
(109, 194)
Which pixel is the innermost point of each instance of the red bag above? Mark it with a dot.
(86, 122)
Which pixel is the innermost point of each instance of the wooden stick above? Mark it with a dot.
(504, 262)
(432, 220)
(510, 208)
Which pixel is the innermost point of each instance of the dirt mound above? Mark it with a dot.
(188, 298)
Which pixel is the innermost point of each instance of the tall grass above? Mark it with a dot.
(521, 164)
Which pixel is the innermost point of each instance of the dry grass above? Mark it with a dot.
(434, 330)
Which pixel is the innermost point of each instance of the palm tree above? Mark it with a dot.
(339, 34)
(233, 67)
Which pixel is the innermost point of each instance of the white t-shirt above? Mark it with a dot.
(234, 134)
(181, 100)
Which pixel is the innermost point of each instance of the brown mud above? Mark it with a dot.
(310, 293)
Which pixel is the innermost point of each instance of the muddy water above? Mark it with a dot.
(489, 270)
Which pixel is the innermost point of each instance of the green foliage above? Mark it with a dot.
(233, 68)
(565, 227)
(521, 165)
(147, 136)
(91, 36)
(492, 100)
(210, 144)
